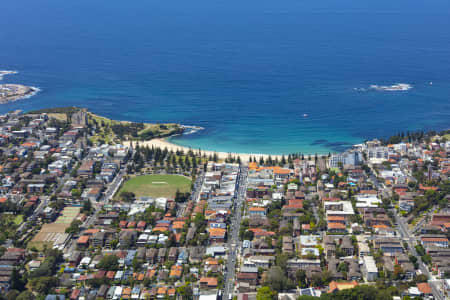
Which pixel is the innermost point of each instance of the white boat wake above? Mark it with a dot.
(386, 88)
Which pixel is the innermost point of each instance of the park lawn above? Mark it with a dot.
(58, 116)
(156, 185)
(156, 129)
(18, 219)
(106, 134)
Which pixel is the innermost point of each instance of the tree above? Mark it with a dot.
(109, 263)
(413, 260)
(43, 285)
(276, 279)
(137, 264)
(185, 291)
(113, 244)
(74, 227)
(426, 259)
(420, 250)
(58, 204)
(127, 196)
(87, 206)
(17, 282)
(300, 276)
(26, 295)
(265, 293)
(398, 272)
(421, 278)
(248, 235)
(181, 197)
(36, 171)
(12, 295)
(326, 277)
(342, 267)
(281, 261)
(48, 267)
(76, 193)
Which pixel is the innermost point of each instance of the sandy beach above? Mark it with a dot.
(163, 143)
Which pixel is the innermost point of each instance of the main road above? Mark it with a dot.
(233, 237)
(410, 238)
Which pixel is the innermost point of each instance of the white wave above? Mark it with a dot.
(360, 89)
(191, 129)
(34, 89)
(391, 88)
(6, 72)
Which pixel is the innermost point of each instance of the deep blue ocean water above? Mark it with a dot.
(246, 71)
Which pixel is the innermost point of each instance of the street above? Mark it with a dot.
(233, 237)
(410, 239)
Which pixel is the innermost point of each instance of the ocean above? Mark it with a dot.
(259, 76)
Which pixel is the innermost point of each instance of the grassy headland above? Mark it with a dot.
(110, 131)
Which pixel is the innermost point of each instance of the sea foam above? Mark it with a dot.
(6, 72)
(391, 88)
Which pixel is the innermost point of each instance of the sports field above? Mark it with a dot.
(156, 185)
(55, 232)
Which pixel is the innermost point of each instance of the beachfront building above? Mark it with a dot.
(350, 158)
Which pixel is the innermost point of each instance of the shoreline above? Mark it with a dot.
(14, 92)
(163, 143)
(11, 92)
(163, 140)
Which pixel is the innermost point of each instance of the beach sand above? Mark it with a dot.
(163, 143)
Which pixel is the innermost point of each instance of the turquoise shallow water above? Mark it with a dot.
(246, 71)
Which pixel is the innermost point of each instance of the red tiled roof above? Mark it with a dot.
(84, 239)
(210, 281)
(336, 218)
(334, 225)
(261, 232)
(217, 232)
(254, 208)
(424, 287)
(331, 199)
(427, 188)
(434, 239)
(368, 192)
(339, 286)
(141, 224)
(75, 293)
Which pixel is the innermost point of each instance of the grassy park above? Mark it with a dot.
(18, 219)
(156, 185)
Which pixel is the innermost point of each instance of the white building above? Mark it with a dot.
(161, 203)
(370, 269)
(366, 201)
(378, 154)
(343, 208)
(351, 158)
